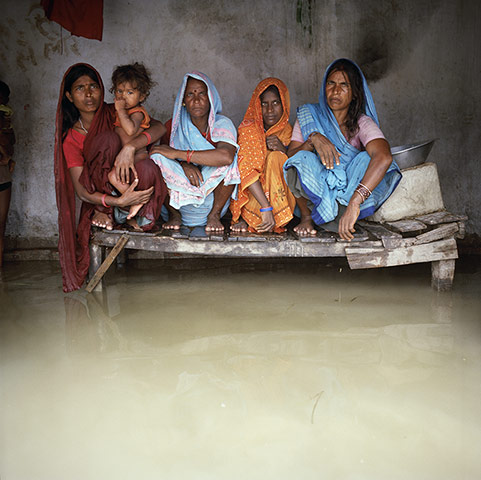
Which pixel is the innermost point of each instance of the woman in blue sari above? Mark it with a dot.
(199, 165)
(340, 167)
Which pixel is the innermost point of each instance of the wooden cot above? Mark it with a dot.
(426, 238)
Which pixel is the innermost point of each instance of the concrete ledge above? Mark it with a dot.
(418, 193)
(30, 243)
(21, 255)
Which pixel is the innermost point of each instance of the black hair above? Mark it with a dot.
(136, 74)
(273, 89)
(358, 103)
(69, 110)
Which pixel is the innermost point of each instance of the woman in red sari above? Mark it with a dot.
(86, 149)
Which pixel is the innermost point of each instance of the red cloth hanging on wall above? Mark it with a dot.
(83, 18)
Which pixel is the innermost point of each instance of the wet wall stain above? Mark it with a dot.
(55, 40)
(384, 32)
(223, 31)
(25, 54)
(304, 12)
(4, 43)
(12, 36)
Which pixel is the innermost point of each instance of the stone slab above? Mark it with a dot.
(418, 193)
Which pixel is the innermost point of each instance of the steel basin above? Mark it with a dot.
(412, 154)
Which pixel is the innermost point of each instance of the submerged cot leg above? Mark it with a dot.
(442, 274)
(95, 262)
(100, 272)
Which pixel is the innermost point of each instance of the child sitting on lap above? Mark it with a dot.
(131, 85)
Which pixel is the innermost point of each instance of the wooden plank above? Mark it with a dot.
(391, 243)
(427, 252)
(198, 233)
(107, 262)
(360, 235)
(379, 231)
(361, 244)
(441, 217)
(363, 250)
(129, 230)
(322, 236)
(444, 231)
(216, 237)
(258, 237)
(407, 226)
(246, 237)
(183, 232)
(275, 246)
(461, 230)
(271, 248)
(442, 274)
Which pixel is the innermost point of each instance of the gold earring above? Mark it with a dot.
(183, 104)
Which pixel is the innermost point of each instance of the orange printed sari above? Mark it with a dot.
(256, 162)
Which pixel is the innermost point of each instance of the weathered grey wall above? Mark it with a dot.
(420, 58)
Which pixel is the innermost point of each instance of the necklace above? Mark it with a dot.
(82, 126)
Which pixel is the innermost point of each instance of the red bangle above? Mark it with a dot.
(363, 191)
(190, 153)
(149, 138)
(103, 200)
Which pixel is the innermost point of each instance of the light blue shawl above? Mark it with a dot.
(325, 188)
(195, 203)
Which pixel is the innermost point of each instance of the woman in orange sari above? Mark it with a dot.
(264, 203)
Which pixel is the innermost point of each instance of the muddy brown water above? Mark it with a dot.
(230, 369)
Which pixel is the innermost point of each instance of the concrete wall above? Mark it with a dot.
(419, 56)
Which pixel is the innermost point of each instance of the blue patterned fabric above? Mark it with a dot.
(195, 203)
(326, 188)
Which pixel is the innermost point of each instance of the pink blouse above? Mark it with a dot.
(368, 130)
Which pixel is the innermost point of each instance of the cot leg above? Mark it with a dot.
(442, 274)
(122, 258)
(442, 307)
(100, 272)
(95, 262)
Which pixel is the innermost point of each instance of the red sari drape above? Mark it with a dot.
(83, 18)
(101, 147)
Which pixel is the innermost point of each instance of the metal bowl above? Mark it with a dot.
(413, 154)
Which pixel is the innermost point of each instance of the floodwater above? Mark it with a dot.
(227, 369)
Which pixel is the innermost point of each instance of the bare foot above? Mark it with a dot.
(134, 210)
(102, 220)
(239, 227)
(133, 223)
(213, 223)
(305, 227)
(174, 222)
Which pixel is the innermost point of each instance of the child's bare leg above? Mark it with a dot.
(134, 209)
(133, 223)
(121, 187)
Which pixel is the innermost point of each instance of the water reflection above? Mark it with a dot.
(194, 316)
(208, 369)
